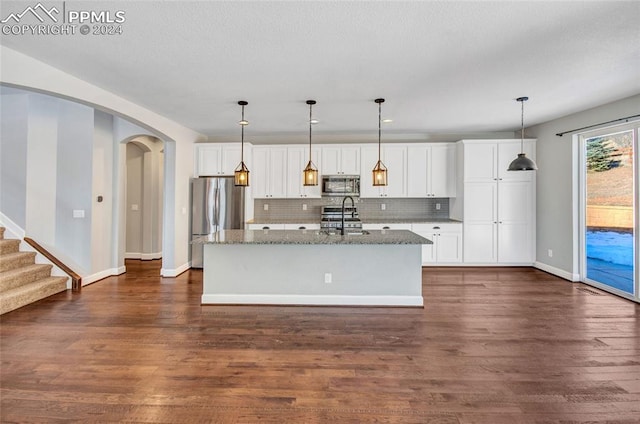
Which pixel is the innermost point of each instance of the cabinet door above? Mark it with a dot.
(515, 222)
(515, 243)
(480, 243)
(395, 159)
(480, 202)
(278, 172)
(295, 165)
(449, 248)
(369, 156)
(442, 175)
(350, 160)
(330, 160)
(507, 152)
(208, 161)
(259, 176)
(418, 165)
(480, 161)
(231, 159)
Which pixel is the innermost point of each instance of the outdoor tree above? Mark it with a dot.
(599, 154)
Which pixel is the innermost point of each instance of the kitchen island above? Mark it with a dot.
(310, 267)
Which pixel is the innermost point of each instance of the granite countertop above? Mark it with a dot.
(310, 237)
(364, 221)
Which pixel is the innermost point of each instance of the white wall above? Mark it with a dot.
(74, 182)
(13, 156)
(557, 218)
(21, 71)
(102, 185)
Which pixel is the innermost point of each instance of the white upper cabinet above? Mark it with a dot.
(394, 158)
(489, 160)
(431, 170)
(269, 172)
(218, 159)
(340, 159)
(297, 158)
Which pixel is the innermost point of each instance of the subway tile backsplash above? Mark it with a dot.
(291, 210)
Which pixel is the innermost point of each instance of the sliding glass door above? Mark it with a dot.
(610, 209)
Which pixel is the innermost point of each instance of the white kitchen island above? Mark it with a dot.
(309, 267)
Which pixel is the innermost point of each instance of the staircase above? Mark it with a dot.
(22, 281)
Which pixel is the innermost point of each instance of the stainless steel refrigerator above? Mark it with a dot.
(217, 204)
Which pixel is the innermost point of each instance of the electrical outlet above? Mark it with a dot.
(304, 206)
(266, 207)
(134, 207)
(550, 253)
(328, 277)
(383, 207)
(437, 206)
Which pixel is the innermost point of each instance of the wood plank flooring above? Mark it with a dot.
(497, 345)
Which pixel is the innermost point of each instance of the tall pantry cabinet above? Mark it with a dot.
(497, 206)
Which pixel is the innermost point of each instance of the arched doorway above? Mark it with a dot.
(144, 193)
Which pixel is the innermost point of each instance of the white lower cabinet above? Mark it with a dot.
(447, 242)
(396, 226)
(265, 226)
(307, 226)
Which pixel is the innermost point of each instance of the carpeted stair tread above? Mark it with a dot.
(32, 292)
(23, 275)
(9, 246)
(16, 260)
(1, 233)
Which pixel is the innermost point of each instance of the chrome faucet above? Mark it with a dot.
(353, 212)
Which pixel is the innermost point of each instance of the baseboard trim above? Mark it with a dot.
(89, 279)
(143, 256)
(557, 272)
(169, 272)
(11, 227)
(334, 300)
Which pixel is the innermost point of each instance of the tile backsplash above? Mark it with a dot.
(292, 210)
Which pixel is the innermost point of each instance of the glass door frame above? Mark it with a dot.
(582, 138)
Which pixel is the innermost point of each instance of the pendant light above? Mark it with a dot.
(310, 173)
(242, 172)
(379, 171)
(522, 162)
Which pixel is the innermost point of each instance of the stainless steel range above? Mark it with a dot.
(331, 219)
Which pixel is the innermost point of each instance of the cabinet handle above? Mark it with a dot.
(302, 228)
(386, 228)
(266, 228)
(436, 228)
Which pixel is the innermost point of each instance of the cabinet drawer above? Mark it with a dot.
(396, 226)
(437, 227)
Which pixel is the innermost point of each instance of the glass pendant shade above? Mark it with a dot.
(310, 174)
(380, 174)
(242, 175)
(522, 162)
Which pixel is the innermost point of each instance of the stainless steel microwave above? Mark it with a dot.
(341, 185)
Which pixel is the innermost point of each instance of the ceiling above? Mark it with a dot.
(446, 68)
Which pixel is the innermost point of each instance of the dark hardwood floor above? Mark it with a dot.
(498, 345)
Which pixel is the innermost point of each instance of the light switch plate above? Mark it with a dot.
(78, 213)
